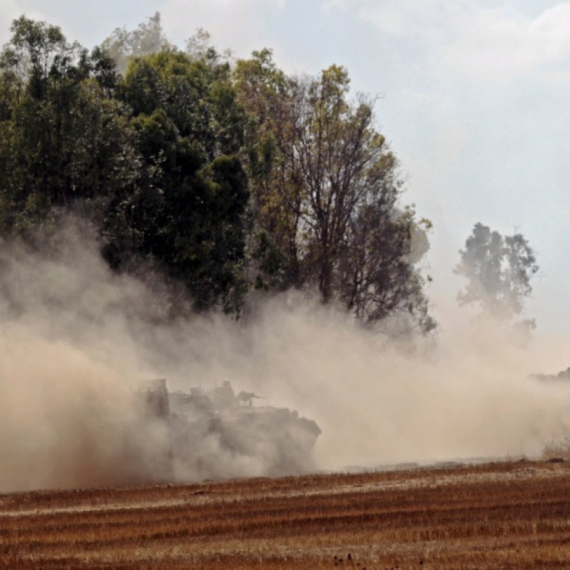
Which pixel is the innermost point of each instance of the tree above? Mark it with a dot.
(146, 39)
(498, 270)
(377, 280)
(343, 164)
(266, 94)
(65, 139)
(326, 192)
(188, 213)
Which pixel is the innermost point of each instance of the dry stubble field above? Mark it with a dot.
(505, 515)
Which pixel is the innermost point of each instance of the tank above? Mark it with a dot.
(560, 377)
(218, 433)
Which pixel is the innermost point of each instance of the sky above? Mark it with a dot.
(472, 98)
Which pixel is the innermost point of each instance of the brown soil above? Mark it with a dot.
(505, 515)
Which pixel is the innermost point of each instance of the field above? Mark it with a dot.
(503, 515)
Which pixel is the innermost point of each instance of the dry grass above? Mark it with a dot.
(509, 515)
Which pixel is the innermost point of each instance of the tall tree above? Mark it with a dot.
(188, 214)
(267, 95)
(326, 192)
(64, 137)
(498, 270)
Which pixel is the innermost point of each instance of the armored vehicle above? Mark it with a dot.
(218, 433)
(561, 376)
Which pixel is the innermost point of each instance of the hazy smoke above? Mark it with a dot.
(76, 340)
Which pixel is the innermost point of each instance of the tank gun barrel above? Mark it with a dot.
(248, 397)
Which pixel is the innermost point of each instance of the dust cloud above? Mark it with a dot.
(76, 341)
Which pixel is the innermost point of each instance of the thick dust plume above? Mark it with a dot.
(77, 342)
(469, 395)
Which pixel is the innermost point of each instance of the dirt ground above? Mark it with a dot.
(494, 516)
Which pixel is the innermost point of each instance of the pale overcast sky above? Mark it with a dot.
(474, 103)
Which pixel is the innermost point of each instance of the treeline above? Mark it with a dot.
(226, 176)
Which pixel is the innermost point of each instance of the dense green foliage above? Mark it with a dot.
(63, 135)
(188, 210)
(225, 178)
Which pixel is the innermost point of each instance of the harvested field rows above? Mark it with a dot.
(508, 515)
